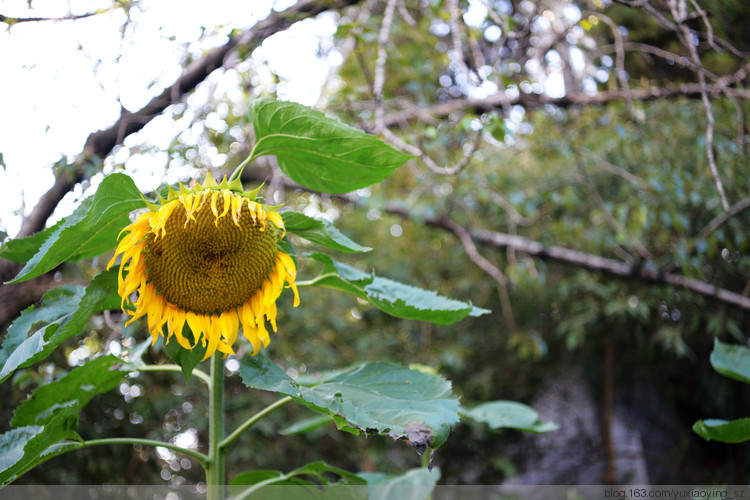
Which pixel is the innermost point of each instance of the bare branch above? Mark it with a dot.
(10, 20)
(485, 265)
(679, 10)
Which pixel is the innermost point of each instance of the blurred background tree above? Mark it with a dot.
(581, 169)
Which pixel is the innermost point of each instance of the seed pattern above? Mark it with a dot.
(211, 264)
(207, 261)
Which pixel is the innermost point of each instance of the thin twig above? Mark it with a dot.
(679, 13)
(488, 267)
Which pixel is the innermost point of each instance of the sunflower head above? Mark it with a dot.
(206, 258)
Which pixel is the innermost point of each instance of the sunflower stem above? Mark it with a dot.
(215, 480)
(238, 171)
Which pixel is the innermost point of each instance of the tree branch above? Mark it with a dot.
(99, 144)
(533, 101)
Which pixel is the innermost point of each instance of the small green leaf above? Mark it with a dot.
(26, 447)
(731, 360)
(735, 431)
(306, 425)
(380, 398)
(62, 314)
(73, 390)
(318, 152)
(416, 484)
(187, 359)
(90, 230)
(392, 297)
(509, 414)
(320, 231)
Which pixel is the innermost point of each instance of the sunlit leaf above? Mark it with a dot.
(321, 232)
(392, 297)
(62, 314)
(731, 360)
(509, 414)
(318, 152)
(734, 431)
(90, 230)
(25, 447)
(381, 398)
(22, 249)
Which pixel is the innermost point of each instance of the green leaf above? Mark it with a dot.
(416, 484)
(312, 474)
(187, 359)
(90, 230)
(62, 314)
(392, 297)
(318, 152)
(26, 447)
(73, 390)
(22, 249)
(320, 231)
(731, 360)
(735, 431)
(380, 398)
(509, 414)
(306, 425)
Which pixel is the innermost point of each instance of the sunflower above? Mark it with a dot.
(207, 258)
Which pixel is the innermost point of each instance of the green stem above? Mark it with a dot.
(203, 459)
(215, 480)
(252, 420)
(238, 171)
(175, 368)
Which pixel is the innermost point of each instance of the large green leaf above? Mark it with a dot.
(62, 314)
(90, 230)
(22, 249)
(74, 389)
(380, 398)
(320, 231)
(735, 431)
(509, 414)
(318, 152)
(731, 360)
(392, 297)
(26, 447)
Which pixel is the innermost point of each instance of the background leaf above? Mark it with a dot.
(509, 414)
(392, 297)
(73, 390)
(62, 314)
(318, 152)
(731, 360)
(381, 398)
(90, 230)
(321, 232)
(735, 431)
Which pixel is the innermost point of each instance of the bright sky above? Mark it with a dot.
(63, 80)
